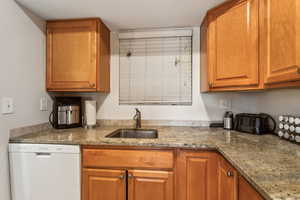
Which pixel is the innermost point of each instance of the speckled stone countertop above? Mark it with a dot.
(271, 165)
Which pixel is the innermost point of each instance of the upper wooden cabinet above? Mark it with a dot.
(280, 41)
(230, 46)
(251, 45)
(78, 56)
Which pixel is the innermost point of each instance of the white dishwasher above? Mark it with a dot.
(44, 172)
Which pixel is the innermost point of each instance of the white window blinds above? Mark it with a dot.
(156, 70)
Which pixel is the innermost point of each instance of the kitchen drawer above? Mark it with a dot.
(152, 159)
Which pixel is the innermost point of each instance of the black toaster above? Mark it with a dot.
(254, 123)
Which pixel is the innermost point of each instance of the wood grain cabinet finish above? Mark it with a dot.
(149, 185)
(197, 175)
(246, 191)
(128, 158)
(229, 46)
(78, 56)
(251, 45)
(227, 181)
(103, 184)
(280, 42)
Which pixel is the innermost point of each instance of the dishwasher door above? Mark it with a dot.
(44, 172)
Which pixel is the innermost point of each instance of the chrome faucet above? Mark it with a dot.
(138, 118)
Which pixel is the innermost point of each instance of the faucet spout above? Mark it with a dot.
(138, 118)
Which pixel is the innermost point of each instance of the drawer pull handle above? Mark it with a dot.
(230, 174)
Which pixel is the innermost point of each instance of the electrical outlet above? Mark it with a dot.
(225, 103)
(7, 105)
(43, 104)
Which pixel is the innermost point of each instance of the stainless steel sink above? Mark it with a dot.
(134, 133)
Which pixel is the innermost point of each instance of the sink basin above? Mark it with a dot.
(134, 133)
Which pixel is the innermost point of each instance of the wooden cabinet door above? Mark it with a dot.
(280, 42)
(246, 192)
(104, 184)
(150, 185)
(228, 181)
(72, 55)
(197, 176)
(233, 44)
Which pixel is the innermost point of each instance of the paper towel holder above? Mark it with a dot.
(90, 121)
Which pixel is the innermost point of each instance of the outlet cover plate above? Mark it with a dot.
(43, 104)
(7, 105)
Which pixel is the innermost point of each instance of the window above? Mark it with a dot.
(156, 70)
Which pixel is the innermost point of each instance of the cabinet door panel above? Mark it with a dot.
(246, 192)
(197, 176)
(71, 56)
(280, 44)
(233, 45)
(149, 185)
(228, 181)
(102, 184)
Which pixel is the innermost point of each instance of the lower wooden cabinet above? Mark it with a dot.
(246, 192)
(104, 184)
(197, 175)
(227, 181)
(149, 185)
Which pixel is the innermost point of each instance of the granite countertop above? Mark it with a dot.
(271, 165)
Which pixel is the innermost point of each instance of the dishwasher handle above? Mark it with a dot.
(43, 154)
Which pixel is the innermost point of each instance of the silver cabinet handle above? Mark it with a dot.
(230, 174)
(121, 176)
(130, 176)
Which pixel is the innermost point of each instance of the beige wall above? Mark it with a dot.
(22, 45)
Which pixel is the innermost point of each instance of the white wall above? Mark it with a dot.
(21, 75)
(205, 107)
(279, 101)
